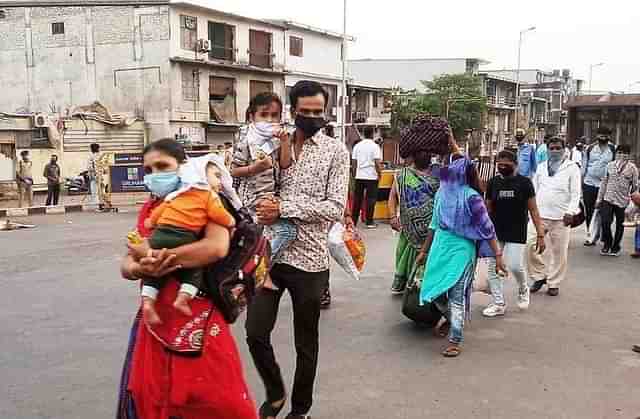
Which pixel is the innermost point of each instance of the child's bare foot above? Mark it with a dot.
(182, 303)
(138, 251)
(149, 313)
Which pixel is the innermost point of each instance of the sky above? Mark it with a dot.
(570, 34)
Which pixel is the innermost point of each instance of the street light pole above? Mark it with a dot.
(344, 74)
(591, 67)
(533, 28)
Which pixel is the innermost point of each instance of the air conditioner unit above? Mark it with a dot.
(40, 120)
(204, 45)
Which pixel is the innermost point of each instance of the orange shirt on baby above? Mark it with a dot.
(192, 210)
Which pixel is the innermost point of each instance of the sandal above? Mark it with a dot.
(268, 410)
(452, 351)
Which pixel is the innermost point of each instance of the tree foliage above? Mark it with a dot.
(463, 92)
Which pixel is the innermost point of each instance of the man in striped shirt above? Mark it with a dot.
(620, 181)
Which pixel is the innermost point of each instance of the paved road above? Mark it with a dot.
(65, 318)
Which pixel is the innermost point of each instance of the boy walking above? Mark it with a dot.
(511, 198)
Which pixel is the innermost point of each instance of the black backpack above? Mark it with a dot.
(246, 264)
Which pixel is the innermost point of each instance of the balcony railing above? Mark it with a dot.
(359, 117)
(261, 59)
(501, 101)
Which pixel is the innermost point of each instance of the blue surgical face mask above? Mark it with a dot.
(162, 184)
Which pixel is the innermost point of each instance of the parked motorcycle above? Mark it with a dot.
(77, 185)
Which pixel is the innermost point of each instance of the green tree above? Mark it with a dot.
(460, 93)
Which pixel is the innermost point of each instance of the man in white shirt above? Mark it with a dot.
(558, 185)
(367, 162)
(574, 153)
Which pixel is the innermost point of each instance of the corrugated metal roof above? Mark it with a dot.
(59, 3)
(604, 101)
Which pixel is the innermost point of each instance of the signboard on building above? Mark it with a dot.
(127, 179)
(128, 158)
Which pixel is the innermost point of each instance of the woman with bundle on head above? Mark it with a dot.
(460, 231)
(412, 196)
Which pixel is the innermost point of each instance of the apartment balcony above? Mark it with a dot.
(507, 102)
(364, 118)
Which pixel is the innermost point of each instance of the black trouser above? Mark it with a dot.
(305, 289)
(170, 237)
(607, 212)
(53, 194)
(589, 196)
(371, 187)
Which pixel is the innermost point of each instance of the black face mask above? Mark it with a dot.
(519, 139)
(603, 140)
(506, 171)
(310, 125)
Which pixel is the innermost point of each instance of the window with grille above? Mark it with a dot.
(57, 28)
(188, 32)
(222, 99)
(191, 85)
(221, 37)
(295, 46)
(256, 87)
(260, 49)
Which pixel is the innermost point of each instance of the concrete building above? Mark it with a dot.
(551, 89)
(187, 71)
(184, 71)
(621, 113)
(501, 110)
(314, 54)
(211, 90)
(64, 54)
(408, 74)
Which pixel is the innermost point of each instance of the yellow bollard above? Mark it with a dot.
(381, 211)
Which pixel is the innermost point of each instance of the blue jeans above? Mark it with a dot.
(283, 232)
(637, 241)
(453, 304)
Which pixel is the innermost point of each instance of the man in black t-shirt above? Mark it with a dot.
(510, 200)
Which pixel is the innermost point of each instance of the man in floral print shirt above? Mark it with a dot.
(313, 194)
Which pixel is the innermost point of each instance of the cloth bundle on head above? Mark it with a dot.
(426, 133)
(193, 174)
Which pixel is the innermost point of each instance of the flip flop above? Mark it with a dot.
(452, 351)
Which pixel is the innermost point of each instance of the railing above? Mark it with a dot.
(222, 53)
(539, 119)
(504, 101)
(359, 117)
(260, 59)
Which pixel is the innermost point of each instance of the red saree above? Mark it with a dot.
(165, 384)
